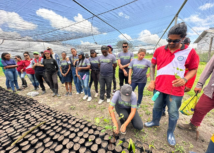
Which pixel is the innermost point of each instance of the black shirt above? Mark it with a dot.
(50, 65)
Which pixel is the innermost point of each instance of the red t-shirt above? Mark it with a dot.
(21, 65)
(28, 67)
(170, 63)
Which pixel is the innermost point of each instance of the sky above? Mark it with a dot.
(36, 24)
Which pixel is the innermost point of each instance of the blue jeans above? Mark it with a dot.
(11, 75)
(33, 80)
(140, 91)
(7, 82)
(85, 83)
(21, 75)
(75, 78)
(210, 148)
(173, 105)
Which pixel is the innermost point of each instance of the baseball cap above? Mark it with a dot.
(47, 51)
(186, 40)
(37, 53)
(110, 47)
(126, 92)
(104, 47)
(86, 55)
(80, 53)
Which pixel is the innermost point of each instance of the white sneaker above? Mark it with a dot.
(85, 97)
(82, 92)
(96, 94)
(100, 101)
(89, 99)
(108, 100)
(77, 93)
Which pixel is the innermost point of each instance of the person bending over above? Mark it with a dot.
(125, 103)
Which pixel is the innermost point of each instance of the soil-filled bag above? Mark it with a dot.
(188, 106)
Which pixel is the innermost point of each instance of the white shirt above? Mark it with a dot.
(53, 55)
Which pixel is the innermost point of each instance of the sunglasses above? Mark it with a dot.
(125, 46)
(26, 55)
(174, 41)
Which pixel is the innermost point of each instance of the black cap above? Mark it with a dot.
(81, 53)
(104, 47)
(92, 51)
(126, 92)
(186, 40)
(86, 55)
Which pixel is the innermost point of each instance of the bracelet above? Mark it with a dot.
(185, 80)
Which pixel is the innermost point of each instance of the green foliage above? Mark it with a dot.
(121, 116)
(123, 151)
(131, 145)
(72, 107)
(179, 149)
(152, 145)
(97, 120)
(106, 120)
(120, 142)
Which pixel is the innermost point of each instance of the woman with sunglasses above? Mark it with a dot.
(29, 70)
(65, 70)
(20, 67)
(82, 71)
(10, 70)
(51, 70)
(95, 70)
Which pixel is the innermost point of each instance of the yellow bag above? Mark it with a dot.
(188, 107)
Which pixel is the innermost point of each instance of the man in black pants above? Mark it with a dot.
(39, 70)
(125, 103)
(124, 59)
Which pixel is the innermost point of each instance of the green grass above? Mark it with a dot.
(1, 72)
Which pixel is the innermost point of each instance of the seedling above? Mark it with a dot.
(120, 142)
(97, 120)
(152, 145)
(131, 145)
(73, 107)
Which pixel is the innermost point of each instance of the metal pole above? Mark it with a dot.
(209, 52)
(176, 18)
(176, 15)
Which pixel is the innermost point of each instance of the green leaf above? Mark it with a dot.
(106, 120)
(120, 142)
(177, 68)
(177, 76)
(181, 70)
(103, 130)
(121, 116)
(108, 127)
(109, 137)
(123, 151)
(89, 140)
(97, 120)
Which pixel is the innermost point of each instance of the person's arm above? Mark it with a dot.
(8, 66)
(114, 62)
(56, 65)
(111, 112)
(60, 68)
(78, 73)
(88, 65)
(130, 75)
(119, 64)
(69, 67)
(151, 86)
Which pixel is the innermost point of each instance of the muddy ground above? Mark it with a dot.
(75, 105)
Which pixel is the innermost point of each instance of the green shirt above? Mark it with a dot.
(1, 65)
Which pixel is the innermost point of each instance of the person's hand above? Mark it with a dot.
(130, 81)
(79, 77)
(197, 90)
(121, 67)
(65, 74)
(187, 89)
(116, 130)
(35, 64)
(178, 82)
(148, 75)
(151, 86)
(21, 70)
(123, 128)
(79, 68)
(125, 73)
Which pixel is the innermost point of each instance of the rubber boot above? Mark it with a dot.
(155, 120)
(24, 83)
(170, 132)
(56, 93)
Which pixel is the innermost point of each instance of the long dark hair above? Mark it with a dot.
(81, 60)
(3, 56)
(18, 56)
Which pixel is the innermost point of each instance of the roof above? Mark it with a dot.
(211, 30)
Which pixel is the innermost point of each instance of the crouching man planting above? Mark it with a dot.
(125, 103)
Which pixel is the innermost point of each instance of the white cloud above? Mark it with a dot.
(12, 35)
(148, 38)
(127, 36)
(206, 6)
(121, 14)
(104, 33)
(58, 21)
(86, 46)
(193, 45)
(13, 20)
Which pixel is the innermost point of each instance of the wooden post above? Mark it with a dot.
(210, 48)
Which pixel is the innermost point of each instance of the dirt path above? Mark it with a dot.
(157, 136)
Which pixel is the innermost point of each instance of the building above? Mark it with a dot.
(203, 41)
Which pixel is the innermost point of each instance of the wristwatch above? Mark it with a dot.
(185, 80)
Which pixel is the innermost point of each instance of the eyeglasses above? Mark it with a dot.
(174, 41)
(25, 55)
(125, 46)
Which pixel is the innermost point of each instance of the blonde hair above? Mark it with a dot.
(142, 50)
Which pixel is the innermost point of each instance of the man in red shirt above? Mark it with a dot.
(171, 61)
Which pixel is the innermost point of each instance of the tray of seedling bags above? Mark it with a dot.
(53, 131)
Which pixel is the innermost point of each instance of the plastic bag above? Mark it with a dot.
(188, 107)
(33, 93)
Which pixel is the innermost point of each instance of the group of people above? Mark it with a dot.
(176, 58)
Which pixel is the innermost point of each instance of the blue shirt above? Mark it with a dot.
(139, 69)
(8, 62)
(106, 64)
(125, 58)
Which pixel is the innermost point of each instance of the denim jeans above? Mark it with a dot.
(140, 91)
(75, 78)
(210, 148)
(21, 75)
(85, 83)
(7, 82)
(11, 75)
(33, 80)
(173, 103)
(105, 81)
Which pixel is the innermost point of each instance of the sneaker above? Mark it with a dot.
(89, 99)
(8, 88)
(85, 97)
(58, 95)
(36, 89)
(96, 94)
(77, 93)
(67, 94)
(81, 92)
(108, 100)
(53, 95)
(19, 89)
(70, 94)
(43, 92)
(100, 101)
